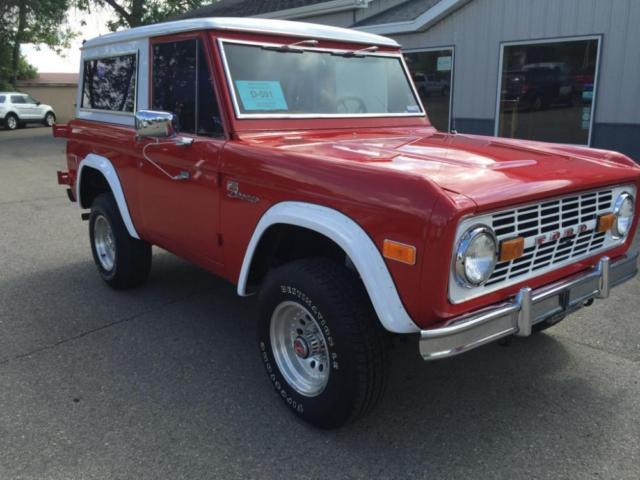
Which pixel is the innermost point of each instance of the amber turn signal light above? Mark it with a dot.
(605, 222)
(400, 252)
(511, 249)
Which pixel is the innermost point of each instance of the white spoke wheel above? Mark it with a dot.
(300, 348)
(122, 261)
(320, 342)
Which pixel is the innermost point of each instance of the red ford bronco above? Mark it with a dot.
(297, 162)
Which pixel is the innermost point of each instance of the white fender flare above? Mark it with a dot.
(103, 165)
(354, 241)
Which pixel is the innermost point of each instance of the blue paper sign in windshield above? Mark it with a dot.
(261, 95)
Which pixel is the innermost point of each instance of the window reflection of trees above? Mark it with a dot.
(174, 81)
(182, 86)
(109, 83)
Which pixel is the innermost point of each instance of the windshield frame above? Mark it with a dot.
(239, 115)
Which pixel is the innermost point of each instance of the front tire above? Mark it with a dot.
(122, 261)
(321, 343)
(49, 119)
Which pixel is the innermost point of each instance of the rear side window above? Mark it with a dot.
(110, 84)
(17, 99)
(2, 98)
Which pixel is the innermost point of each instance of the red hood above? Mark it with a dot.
(489, 170)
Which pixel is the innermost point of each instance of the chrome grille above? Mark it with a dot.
(560, 215)
(552, 219)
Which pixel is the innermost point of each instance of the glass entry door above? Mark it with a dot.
(547, 90)
(432, 73)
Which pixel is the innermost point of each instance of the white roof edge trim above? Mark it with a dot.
(333, 6)
(254, 25)
(424, 21)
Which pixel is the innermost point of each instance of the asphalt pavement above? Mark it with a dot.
(165, 381)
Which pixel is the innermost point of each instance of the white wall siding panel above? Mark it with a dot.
(375, 7)
(339, 19)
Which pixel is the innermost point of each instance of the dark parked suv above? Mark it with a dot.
(538, 86)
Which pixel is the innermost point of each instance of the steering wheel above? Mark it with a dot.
(351, 104)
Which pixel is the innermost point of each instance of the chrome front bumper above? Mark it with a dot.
(528, 308)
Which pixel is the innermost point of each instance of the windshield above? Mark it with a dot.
(271, 82)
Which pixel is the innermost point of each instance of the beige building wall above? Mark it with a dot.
(61, 98)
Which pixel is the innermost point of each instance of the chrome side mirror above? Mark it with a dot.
(149, 123)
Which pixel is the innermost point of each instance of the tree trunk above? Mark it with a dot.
(137, 12)
(15, 58)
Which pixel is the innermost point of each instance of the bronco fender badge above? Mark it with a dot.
(233, 191)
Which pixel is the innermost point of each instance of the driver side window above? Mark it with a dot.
(182, 85)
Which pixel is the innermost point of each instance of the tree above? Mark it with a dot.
(32, 21)
(133, 13)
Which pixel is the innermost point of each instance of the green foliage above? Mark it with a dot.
(32, 21)
(45, 22)
(26, 71)
(133, 13)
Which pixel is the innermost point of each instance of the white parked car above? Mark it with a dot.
(17, 109)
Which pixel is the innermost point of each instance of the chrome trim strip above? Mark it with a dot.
(516, 317)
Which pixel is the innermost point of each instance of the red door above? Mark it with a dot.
(179, 184)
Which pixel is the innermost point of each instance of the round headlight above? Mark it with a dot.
(623, 210)
(476, 256)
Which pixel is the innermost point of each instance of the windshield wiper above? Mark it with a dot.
(356, 53)
(291, 47)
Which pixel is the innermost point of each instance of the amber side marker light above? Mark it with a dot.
(605, 222)
(400, 252)
(511, 249)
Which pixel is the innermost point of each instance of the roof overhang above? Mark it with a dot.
(429, 18)
(322, 8)
(249, 24)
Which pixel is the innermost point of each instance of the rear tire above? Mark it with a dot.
(321, 343)
(11, 122)
(122, 261)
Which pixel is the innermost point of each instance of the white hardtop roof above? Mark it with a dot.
(255, 25)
